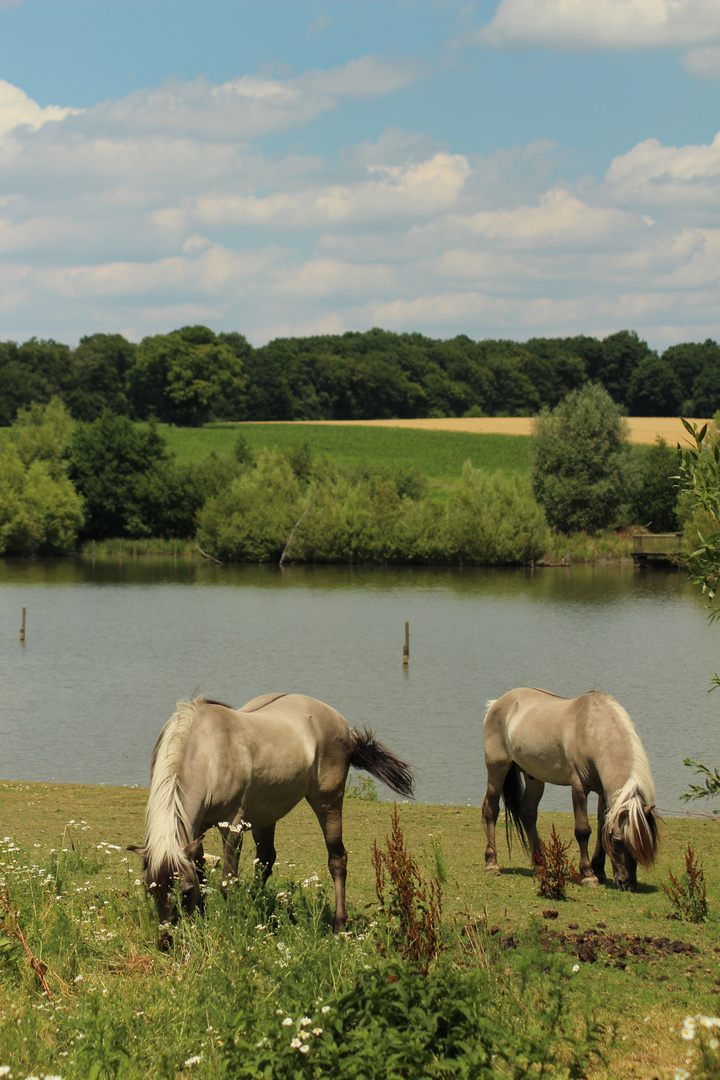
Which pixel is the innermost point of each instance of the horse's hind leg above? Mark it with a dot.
(264, 850)
(329, 814)
(529, 811)
(582, 833)
(490, 811)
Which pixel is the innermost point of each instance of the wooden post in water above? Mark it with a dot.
(406, 646)
(22, 628)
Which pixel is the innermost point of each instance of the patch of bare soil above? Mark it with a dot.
(614, 950)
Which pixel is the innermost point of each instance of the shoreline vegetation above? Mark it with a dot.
(599, 984)
(581, 548)
(427, 492)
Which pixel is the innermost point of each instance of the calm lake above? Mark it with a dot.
(110, 647)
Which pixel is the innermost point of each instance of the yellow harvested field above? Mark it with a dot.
(643, 429)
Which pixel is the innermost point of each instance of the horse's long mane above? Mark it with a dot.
(632, 806)
(167, 828)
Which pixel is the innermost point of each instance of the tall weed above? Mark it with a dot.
(688, 895)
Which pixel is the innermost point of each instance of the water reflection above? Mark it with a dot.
(112, 645)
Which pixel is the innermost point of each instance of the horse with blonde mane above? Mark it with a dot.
(244, 770)
(533, 737)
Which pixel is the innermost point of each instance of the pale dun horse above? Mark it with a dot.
(533, 738)
(245, 769)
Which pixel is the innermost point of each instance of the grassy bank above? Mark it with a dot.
(121, 1008)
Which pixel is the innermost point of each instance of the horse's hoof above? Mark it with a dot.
(592, 881)
(492, 868)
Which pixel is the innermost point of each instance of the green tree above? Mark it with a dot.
(700, 469)
(130, 485)
(655, 503)
(653, 389)
(697, 371)
(579, 455)
(34, 371)
(185, 377)
(40, 511)
(41, 433)
(621, 354)
(493, 518)
(99, 366)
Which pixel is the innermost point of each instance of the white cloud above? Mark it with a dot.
(704, 63)
(108, 221)
(16, 109)
(330, 278)
(249, 106)
(591, 24)
(393, 192)
(654, 175)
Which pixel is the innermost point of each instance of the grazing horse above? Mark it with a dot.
(245, 769)
(533, 738)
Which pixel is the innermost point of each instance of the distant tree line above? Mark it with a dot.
(192, 375)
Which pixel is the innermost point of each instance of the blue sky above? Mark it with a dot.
(506, 168)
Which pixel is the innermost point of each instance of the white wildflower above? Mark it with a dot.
(295, 1043)
(303, 1049)
(194, 1060)
(688, 1029)
(287, 1022)
(325, 1009)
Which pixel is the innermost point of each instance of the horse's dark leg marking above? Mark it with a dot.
(598, 859)
(329, 814)
(582, 832)
(529, 811)
(265, 850)
(490, 811)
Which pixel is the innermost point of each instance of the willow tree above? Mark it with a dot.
(579, 459)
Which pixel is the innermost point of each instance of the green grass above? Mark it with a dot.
(440, 455)
(121, 1008)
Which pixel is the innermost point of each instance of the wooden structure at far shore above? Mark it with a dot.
(656, 549)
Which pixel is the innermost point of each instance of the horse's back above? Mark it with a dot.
(300, 712)
(538, 730)
(552, 737)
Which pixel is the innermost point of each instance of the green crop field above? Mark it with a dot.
(440, 455)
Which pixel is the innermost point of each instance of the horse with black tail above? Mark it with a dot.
(243, 770)
(533, 737)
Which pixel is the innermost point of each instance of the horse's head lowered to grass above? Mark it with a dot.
(630, 835)
(169, 881)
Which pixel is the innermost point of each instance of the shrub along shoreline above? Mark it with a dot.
(424, 498)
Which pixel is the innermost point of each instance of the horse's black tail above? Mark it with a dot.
(512, 793)
(370, 755)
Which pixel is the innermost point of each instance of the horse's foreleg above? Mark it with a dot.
(582, 834)
(330, 818)
(598, 859)
(490, 811)
(264, 851)
(529, 811)
(232, 846)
